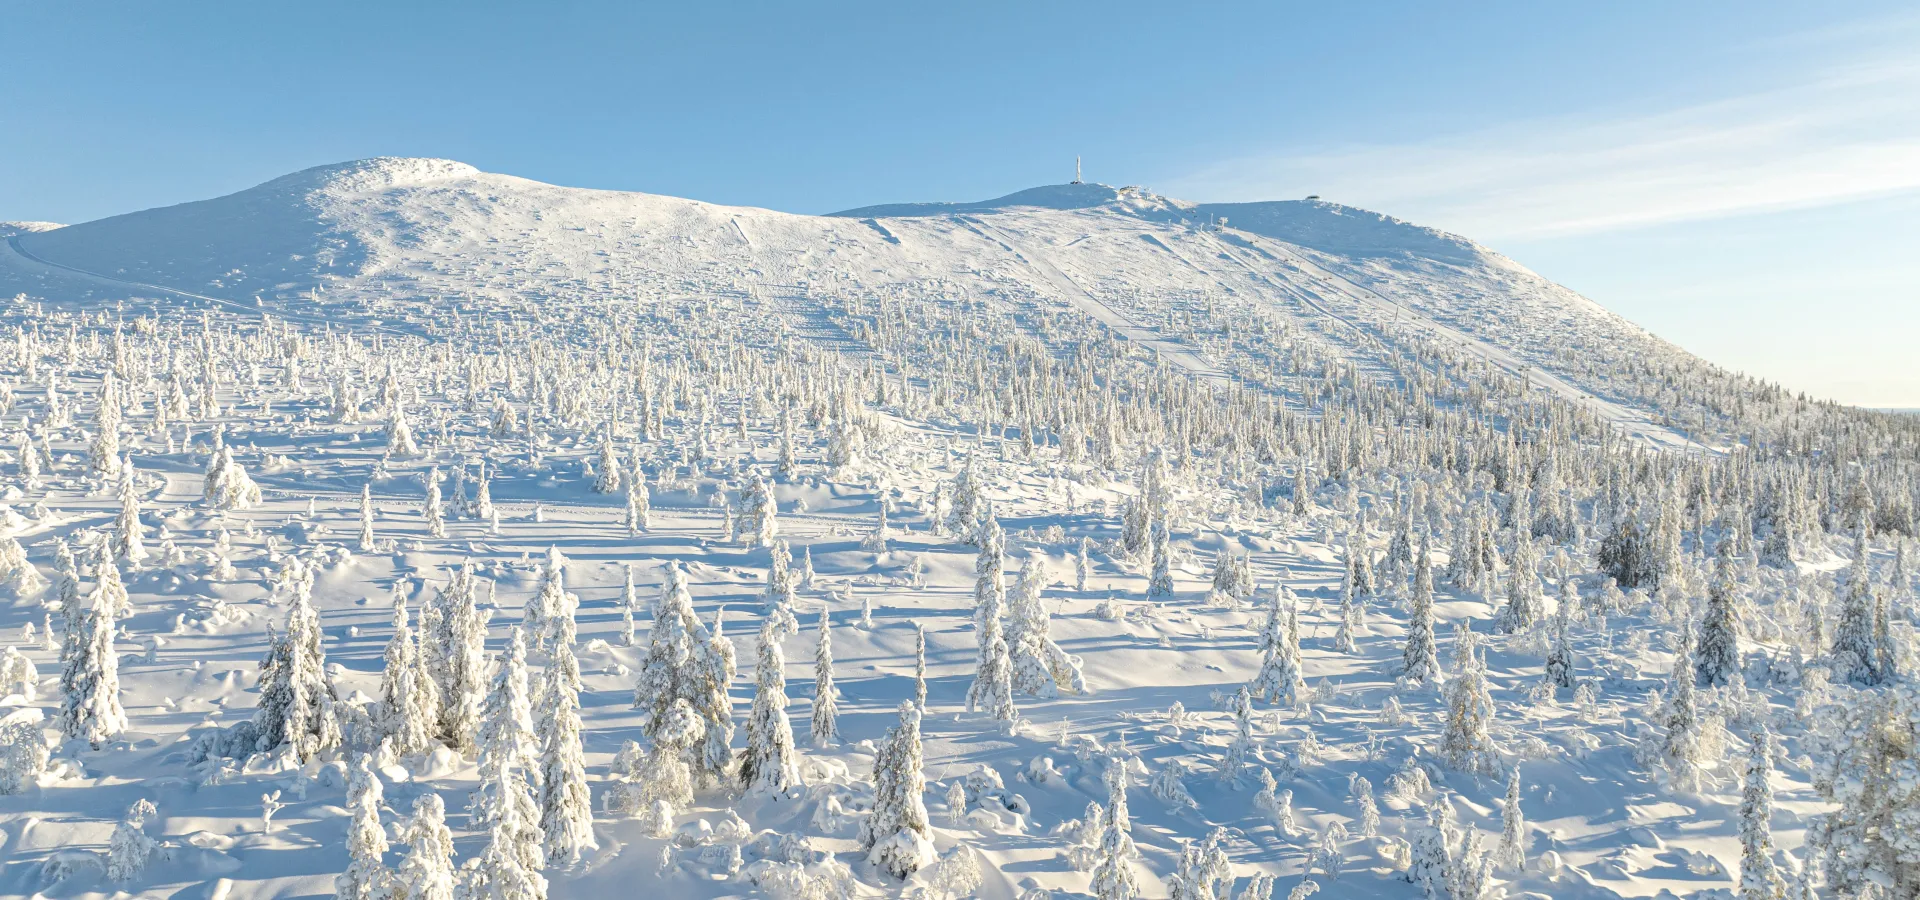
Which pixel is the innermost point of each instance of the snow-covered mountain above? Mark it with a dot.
(416, 229)
(1314, 533)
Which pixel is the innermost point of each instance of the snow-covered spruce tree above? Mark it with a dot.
(968, 501)
(90, 683)
(920, 665)
(430, 508)
(509, 767)
(1160, 582)
(1347, 614)
(66, 598)
(1083, 564)
(686, 662)
(1560, 662)
(1718, 659)
(367, 543)
(549, 604)
(1680, 749)
(18, 677)
(502, 871)
(1465, 742)
(1433, 852)
(409, 698)
(1420, 654)
(771, 762)
(103, 455)
(1512, 852)
(760, 522)
(367, 876)
(629, 604)
(607, 473)
(781, 597)
(127, 541)
(662, 785)
(992, 687)
(297, 700)
(1235, 761)
(1113, 875)
(897, 836)
(130, 848)
(1279, 680)
(426, 872)
(453, 634)
(1856, 655)
(1367, 811)
(1871, 770)
(639, 509)
(1759, 878)
(228, 486)
(1524, 604)
(400, 443)
(1360, 559)
(24, 751)
(824, 726)
(566, 807)
(1040, 667)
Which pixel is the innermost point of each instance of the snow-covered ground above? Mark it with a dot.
(1309, 388)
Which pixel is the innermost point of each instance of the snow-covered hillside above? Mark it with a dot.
(394, 517)
(410, 230)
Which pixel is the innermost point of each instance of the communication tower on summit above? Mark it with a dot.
(1076, 169)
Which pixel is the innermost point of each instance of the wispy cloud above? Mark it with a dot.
(1843, 134)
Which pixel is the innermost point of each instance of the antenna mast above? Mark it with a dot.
(1076, 169)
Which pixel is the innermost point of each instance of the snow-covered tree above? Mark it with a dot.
(453, 633)
(1113, 874)
(509, 770)
(1856, 654)
(639, 509)
(297, 699)
(1870, 773)
(825, 710)
(130, 848)
(1420, 655)
(992, 687)
(607, 473)
(566, 807)
(549, 604)
(1718, 658)
(127, 541)
(660, 786)
(430, 508)
(227, 485)
(771, 762)
(1040, 667)
(1465, 741)
(897, 836)
(1279, 680)
(367, 876)
(1560, 660)
(920, 665)
(685, 661)
(426, 872)
(1512, 852)
(409, 698)
(1759, 878)
(1160, 581)
(1524, 603)
(760, 514)
(1680, 742)
(367, 543)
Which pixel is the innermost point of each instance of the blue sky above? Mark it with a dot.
(1743, 178)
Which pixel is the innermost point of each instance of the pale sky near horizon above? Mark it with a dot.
(1741, 178)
